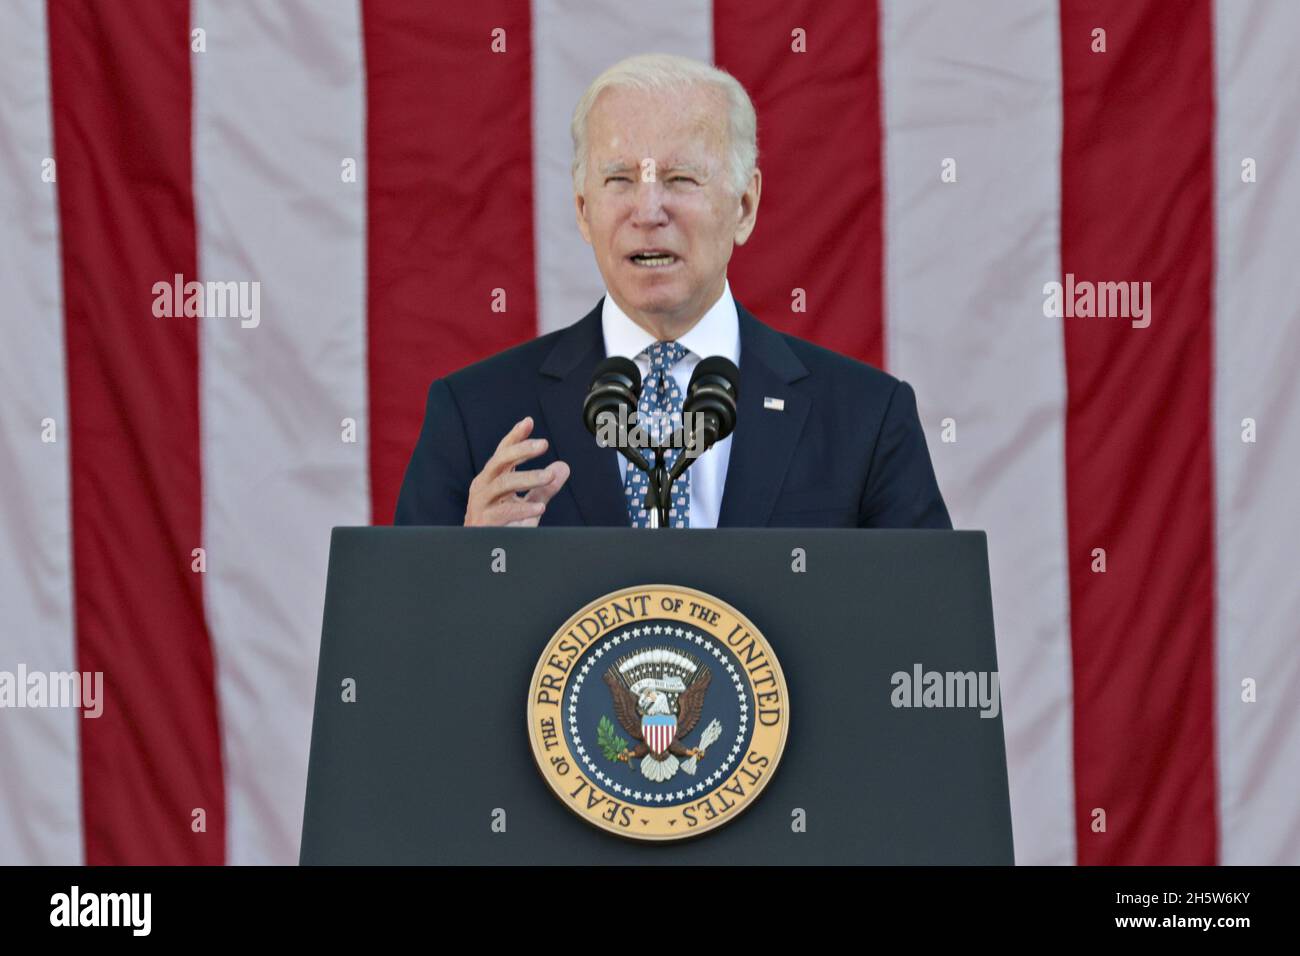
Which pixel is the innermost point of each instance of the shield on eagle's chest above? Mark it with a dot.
(658, 732)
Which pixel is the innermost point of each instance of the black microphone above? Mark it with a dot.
(711, 402)
(615, 389)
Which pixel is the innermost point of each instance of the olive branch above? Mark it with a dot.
(608, 740)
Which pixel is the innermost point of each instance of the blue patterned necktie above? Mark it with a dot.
(659, 411)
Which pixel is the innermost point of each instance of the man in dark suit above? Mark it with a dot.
(666, 185)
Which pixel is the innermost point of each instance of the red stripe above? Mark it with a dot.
(1137, 201)
(819, 149)
(450, 206)
(120, 78)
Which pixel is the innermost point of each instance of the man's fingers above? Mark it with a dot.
(512, 511)
(522, 429)
(525, 522)
(506, 459)
(559, 472)
(502, 495)
(541, 494)
(516, 481)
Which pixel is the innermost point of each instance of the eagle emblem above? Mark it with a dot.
(657, 712)
(658, 696)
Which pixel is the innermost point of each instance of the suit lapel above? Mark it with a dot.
(764, 440)
(566, 376)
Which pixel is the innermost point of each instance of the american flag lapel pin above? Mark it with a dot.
(777, 404)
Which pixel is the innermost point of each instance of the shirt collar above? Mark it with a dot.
(717, 333)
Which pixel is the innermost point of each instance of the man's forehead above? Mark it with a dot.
(682, 133)
(677, 152)
(663, 119)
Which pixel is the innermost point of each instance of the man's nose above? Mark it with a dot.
(648, 206)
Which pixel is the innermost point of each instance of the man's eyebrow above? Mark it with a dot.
(620, 166)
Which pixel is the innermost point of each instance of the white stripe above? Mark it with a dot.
(1257, 353)
(40, 770)
(965, 266)
(278, 106)
(573, 42)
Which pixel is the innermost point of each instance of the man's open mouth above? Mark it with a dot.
(653, 258)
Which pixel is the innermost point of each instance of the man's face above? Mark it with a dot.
(656, 182)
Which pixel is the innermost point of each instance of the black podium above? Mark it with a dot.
(420, 751)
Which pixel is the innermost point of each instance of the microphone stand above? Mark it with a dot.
(658, 494)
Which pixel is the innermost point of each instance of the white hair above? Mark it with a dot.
(664, 72)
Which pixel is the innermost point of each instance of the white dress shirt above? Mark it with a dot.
(717, 333)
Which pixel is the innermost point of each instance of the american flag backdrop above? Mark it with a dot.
(394, 177)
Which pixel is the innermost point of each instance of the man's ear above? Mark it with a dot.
(580, 207)
(749, 208)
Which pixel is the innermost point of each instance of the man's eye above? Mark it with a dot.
(617, 179)
(680, 179)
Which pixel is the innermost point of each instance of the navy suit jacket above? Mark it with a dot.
(846, 451)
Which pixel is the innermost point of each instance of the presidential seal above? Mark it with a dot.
(657, 712)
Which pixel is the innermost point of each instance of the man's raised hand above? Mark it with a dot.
(500, 495)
